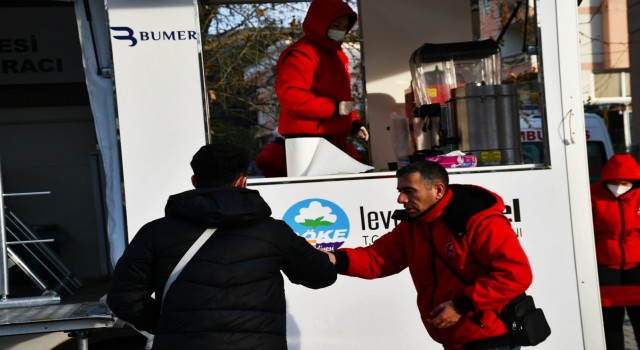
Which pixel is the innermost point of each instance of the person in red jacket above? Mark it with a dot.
(313, 85)
(465, 259)
(615, 204)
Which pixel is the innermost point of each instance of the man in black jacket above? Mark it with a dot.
(231, 293)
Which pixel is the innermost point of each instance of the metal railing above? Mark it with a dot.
(38, 251)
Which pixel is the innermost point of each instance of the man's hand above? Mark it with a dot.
(332, 257)
(363, 134)
(345, 107)
(444, 315)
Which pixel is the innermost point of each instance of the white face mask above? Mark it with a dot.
(336, 35)
(618, 190)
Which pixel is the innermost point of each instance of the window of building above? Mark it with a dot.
(616, 84)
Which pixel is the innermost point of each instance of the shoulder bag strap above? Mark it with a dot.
(458, 275)
(435, 251)
(186, 258)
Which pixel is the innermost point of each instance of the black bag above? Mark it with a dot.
(526, 325)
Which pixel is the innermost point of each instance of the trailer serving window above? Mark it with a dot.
(444, 108)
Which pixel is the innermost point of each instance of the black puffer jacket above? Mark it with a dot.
(231, 294)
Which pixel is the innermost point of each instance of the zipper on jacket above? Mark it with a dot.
(475, 318)
(433, 272)
(435, 276)
(435, 279)
(622, 255)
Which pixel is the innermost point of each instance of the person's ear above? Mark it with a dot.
(241, 182)
(440, 189)
(193, 181)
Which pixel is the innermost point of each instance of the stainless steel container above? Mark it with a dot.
(487, 123)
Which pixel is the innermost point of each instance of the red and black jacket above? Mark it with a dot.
(468, 230)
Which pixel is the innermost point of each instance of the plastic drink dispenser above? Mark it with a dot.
(441, 76)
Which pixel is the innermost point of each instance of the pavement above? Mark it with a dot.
(94, 289)
(629, 338)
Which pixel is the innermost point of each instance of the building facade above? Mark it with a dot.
(606, 69)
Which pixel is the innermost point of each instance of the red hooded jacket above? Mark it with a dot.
(616, 220)
(468, 229)
(313, 75)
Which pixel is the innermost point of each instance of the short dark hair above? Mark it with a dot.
(430, 172)
(219, 164)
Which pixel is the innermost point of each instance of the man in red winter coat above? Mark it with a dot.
(464, 258)
(615, 204)
(313, 85)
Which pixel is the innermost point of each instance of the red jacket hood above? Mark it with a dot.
(621, 167)
(320, 15)
(463, 206)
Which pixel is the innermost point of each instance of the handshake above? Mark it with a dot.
(331, 256)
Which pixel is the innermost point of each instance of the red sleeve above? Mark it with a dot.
(293, 87)
(385, 257)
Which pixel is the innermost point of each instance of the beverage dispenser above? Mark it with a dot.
(485, 123)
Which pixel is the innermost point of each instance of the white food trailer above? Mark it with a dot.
(143, 71)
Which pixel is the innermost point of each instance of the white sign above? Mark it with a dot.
(160, 100)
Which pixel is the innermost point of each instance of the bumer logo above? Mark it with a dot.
(321, 222)
(128, 34)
